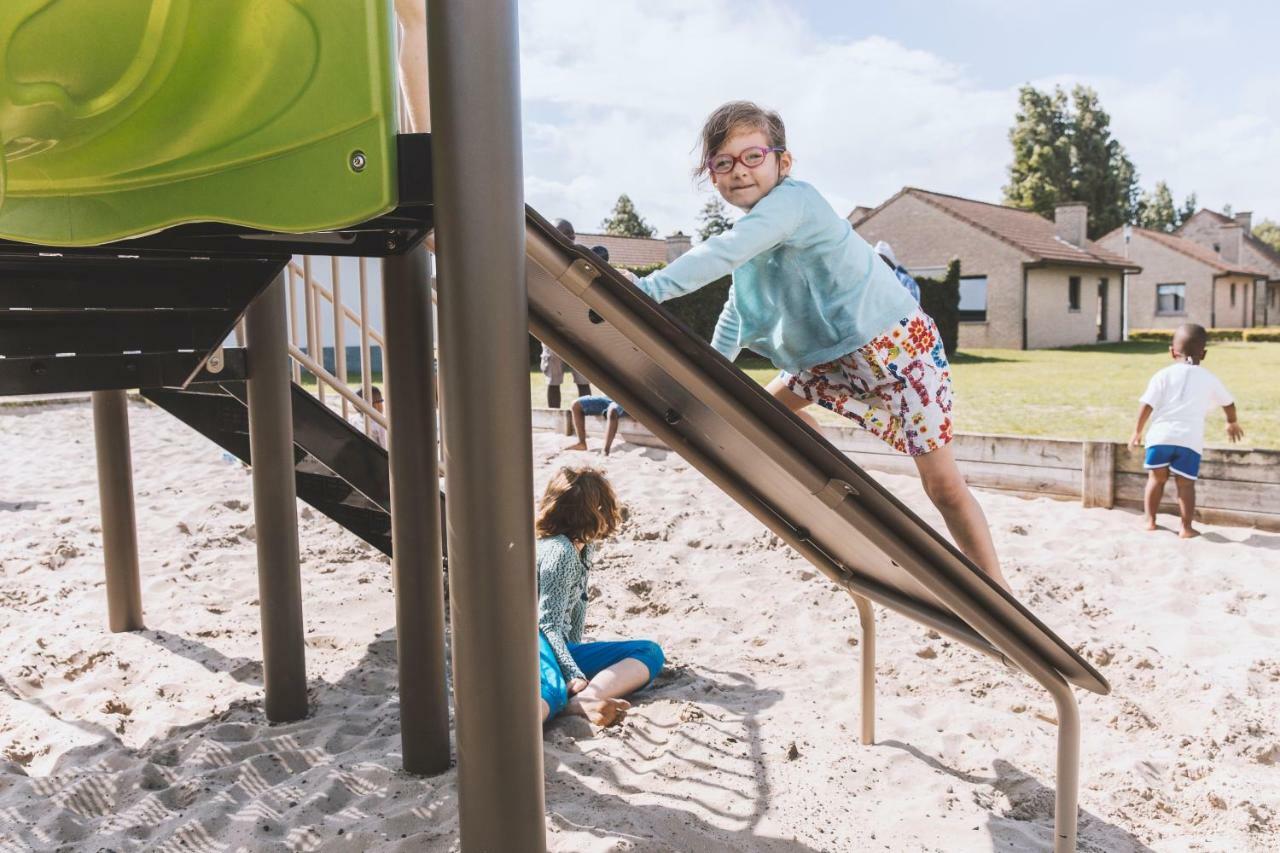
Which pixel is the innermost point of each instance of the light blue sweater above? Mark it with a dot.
(806, 288)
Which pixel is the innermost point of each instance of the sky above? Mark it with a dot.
(877, 96)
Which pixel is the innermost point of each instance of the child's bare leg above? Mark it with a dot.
(1186, 505)
(579, 426)
(546, 709)
(611, 429)
(791, 400)
(622, 679)
(413, 63)
(1156, 478)
(945, 486)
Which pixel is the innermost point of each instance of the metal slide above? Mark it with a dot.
(790, 478)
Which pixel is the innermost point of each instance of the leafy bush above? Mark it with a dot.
(1270, 335)
(1226, 334)
(940, 299)
(1159, 335)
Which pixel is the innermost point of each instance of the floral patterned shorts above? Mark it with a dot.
(897, 386)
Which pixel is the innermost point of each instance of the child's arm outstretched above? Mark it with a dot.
(555, 589)
(774, 218)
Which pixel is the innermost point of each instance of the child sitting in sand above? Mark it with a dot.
(595, 405)
(1176, 401)
(811, 295)
(577, 510)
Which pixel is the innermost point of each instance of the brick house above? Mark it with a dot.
(1027, 282)
(1219, 232)
(1182, 281)
(639, 252)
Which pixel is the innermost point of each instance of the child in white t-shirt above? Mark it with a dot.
(1176, 402)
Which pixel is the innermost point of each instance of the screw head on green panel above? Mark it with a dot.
(358, 161)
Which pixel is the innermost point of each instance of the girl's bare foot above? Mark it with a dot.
(1151, 524)
(1188, 533)
(581, 445)
(600, 712)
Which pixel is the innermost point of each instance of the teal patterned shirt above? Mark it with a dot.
(562, 597)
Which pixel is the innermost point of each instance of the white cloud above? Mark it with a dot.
(615, 93)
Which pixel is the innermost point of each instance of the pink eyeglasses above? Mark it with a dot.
(722, 164)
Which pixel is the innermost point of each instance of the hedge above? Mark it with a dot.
(940, 299)
(1269, 334)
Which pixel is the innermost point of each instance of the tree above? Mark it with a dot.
(1041, 170)
(626, 222)
(1269, 233)
(1066, 153)
(1156, 210)
(1103, 176)
(714, 219)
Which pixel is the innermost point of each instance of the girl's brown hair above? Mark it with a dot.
(578, 503)
(734, 116)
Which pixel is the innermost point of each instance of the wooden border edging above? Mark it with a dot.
(1236, 487)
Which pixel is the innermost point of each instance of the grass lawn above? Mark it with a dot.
(1080, 393)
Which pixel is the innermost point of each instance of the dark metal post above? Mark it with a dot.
(275, 506)
(115, 494)
(475, 108)
(417, 573)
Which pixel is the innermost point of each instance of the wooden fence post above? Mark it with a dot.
(1098, 480)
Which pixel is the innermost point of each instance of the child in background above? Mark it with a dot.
(1176, 401)
(595, 405)
(376, 432)
(811, 295)
(577, 510)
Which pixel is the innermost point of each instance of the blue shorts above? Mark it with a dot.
(1182, 461)
(591, 658)
(598, 405)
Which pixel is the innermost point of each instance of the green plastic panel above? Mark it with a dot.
(123, 117)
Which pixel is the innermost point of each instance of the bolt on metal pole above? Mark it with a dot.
(275, 505)
(417, 572)
(473, 56)
(119, 525)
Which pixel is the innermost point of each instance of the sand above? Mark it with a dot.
(156, 740)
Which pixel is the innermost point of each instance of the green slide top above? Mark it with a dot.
(123, 117)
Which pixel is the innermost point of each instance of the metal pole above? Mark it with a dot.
(292, 283)
(339, 321)
(366, 367)
(275, 506)
(867, 620)
(475, 104)
(119, 526)
(417, 572)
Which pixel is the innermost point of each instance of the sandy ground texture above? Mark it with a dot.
(155, 740)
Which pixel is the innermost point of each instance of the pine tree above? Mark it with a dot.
(1269, 233)
(1156, 210)
(626, 222)
(1104, 177)
(1066, 153)
(714, 219)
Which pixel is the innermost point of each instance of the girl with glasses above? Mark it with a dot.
(810, 295)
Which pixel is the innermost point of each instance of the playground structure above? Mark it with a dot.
(119, 274)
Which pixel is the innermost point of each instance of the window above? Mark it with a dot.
(1171, 299)
(1073, 293)
(973, 299)
(1233, 294)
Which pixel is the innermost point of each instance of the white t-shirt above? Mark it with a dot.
(1180, 396)
(376, 432)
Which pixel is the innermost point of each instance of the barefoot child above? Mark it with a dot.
(577, 510)
(812, 296)
(1176, 400)
(594, 405)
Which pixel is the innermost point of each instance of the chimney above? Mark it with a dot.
(1245, 220)
(1229, 239)
(1071, 222)
(677, 244)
